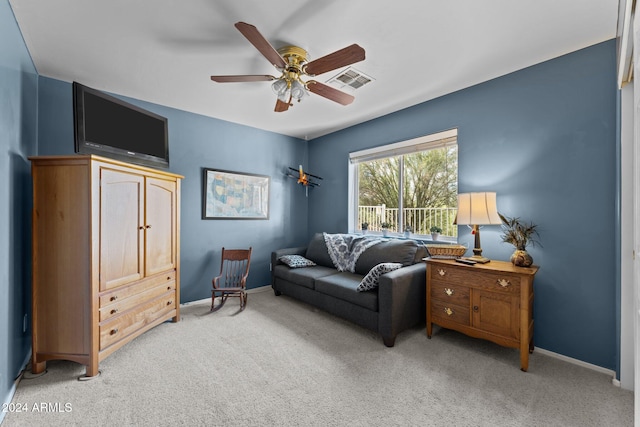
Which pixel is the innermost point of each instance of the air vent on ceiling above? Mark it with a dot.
(350, 78)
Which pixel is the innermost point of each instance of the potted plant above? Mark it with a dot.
(520, 235)
(407, 231)
(385, 228)
(365, 227)
(435, 232)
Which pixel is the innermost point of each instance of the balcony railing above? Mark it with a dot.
(419, 219)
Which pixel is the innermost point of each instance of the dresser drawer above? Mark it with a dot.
(130, 321)
(476, 278)
(450, 292)
(449, 312)
(123, 304)
(497, 282)
(111, 297)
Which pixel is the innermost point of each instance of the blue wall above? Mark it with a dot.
(544, 138)
(197, 142)
(18, 116)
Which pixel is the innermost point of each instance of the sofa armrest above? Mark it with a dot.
(301, 250)
(401, 300)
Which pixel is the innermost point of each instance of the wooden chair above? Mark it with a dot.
(232, 280)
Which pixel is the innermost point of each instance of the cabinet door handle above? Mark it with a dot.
(503, 282)
(448, 291)
(448, 311)
(148, 226)
(141, 227)
(475, 308)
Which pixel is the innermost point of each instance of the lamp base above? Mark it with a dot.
(479, 259)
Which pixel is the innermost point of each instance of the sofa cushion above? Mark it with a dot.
(370, 281)
(317, 251)
(302, 276)
(296, 261)
(394, 250)
(343, 286)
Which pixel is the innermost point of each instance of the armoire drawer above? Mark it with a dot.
(121, 305)
(168, 278)
(134, 319)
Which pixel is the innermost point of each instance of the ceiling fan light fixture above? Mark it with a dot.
(298, 91)
(279, 87)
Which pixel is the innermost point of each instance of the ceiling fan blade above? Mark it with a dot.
(281, 106)
(340, 58)
(330, 93)
(244, 78)
(264, 47)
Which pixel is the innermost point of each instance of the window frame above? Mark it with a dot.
(427, 142)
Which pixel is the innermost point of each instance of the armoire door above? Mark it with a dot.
(121, 228)
(160, 226)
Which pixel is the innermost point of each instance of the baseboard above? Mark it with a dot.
(264, 288)
(571, 360)
(14, 387)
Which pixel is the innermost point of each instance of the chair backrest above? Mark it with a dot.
(234, 267)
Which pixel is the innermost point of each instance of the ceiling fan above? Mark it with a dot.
(291, 61)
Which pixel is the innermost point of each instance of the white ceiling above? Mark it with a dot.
(164, 51)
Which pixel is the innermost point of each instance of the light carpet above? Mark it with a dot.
(284, 363)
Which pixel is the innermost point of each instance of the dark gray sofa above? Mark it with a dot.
(396, 304)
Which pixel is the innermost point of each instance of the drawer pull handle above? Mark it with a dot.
(114, 311)
(503, 282)
(448, 291)
(168, 277)
(441, 272)
(113, 298)
(148, 226)
(114, 331)
(168, 288)
(169, 302)
(141, 227)
(448, 311)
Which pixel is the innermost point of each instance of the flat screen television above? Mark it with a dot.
(110, 127)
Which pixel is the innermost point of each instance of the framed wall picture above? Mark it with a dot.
(234, 195)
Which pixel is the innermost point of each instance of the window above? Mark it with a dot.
(410, 184)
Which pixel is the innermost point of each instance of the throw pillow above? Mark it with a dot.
(370, 281)
(296, 261)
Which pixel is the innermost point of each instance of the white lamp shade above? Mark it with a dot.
(477, 209)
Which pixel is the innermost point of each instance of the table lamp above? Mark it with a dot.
(476, 209)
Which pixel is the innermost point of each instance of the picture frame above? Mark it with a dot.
(234, 195)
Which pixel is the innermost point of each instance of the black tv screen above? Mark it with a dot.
(110, 127)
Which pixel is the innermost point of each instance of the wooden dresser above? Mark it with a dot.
(493, 301)
(105, 255)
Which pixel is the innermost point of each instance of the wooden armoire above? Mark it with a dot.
(105, 255)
